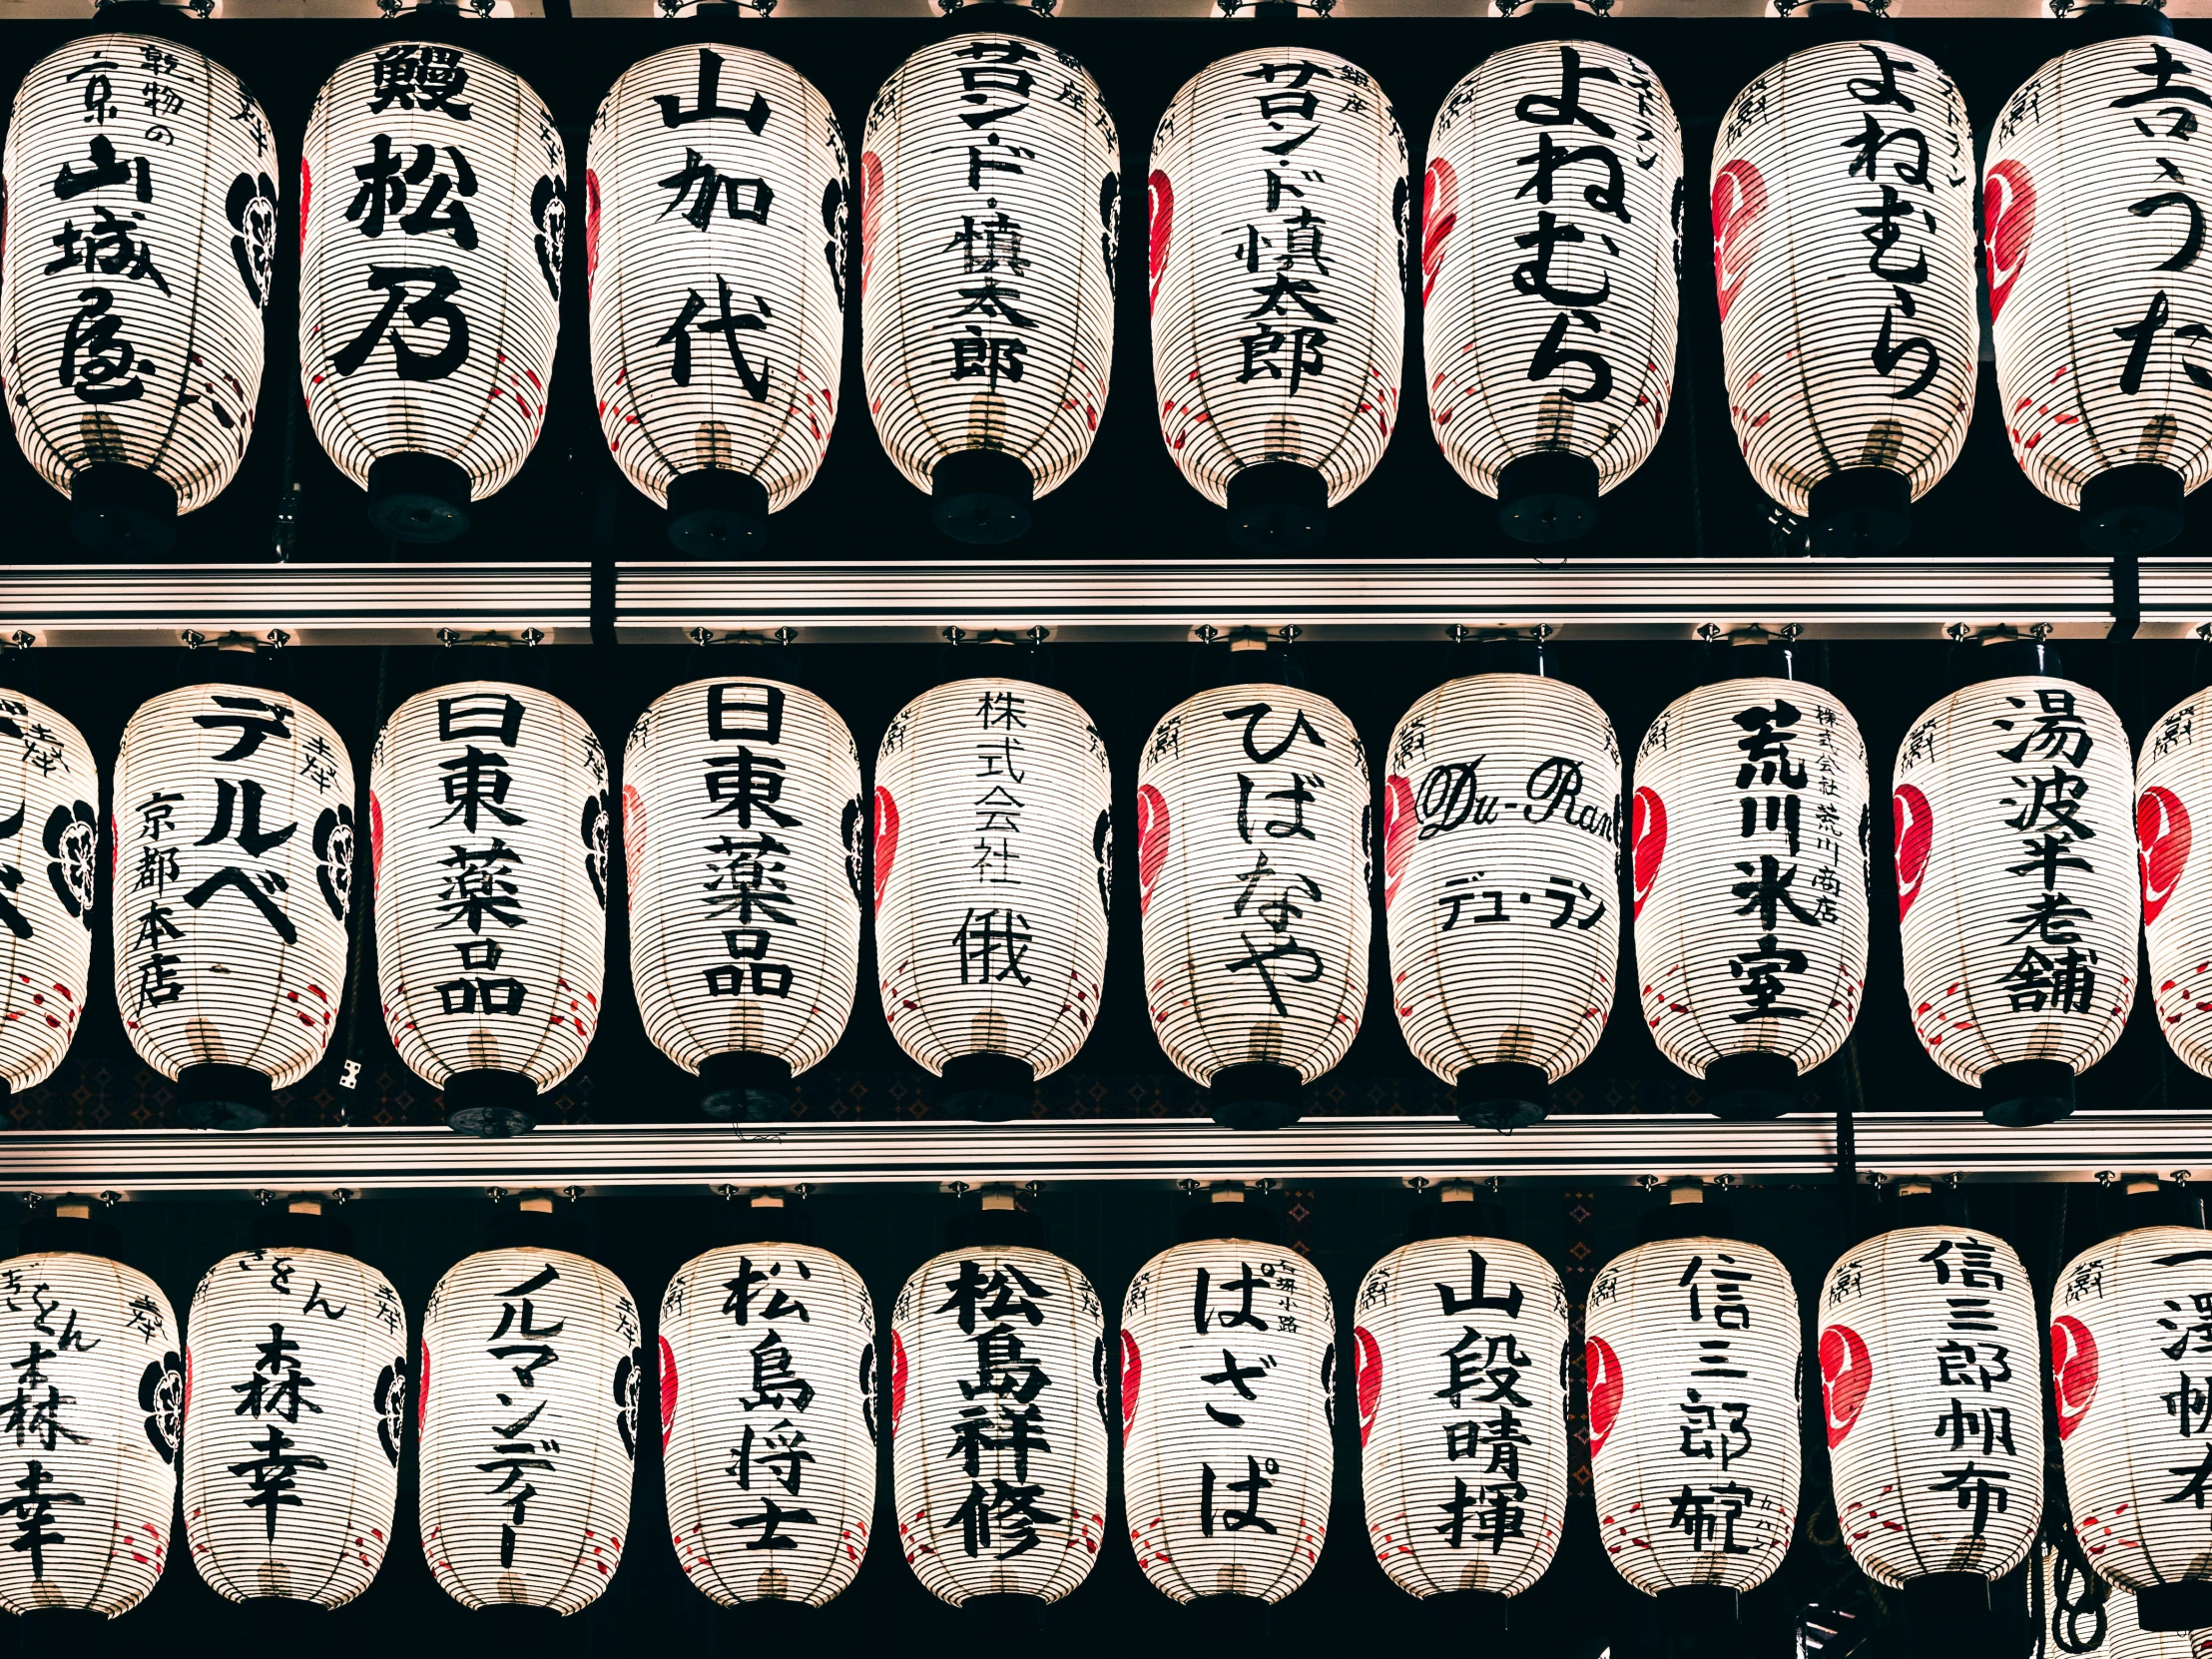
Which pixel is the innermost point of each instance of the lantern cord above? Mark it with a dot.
(362, 920)
(1689, 410)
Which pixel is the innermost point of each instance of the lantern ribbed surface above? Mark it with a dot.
(87, 1466)
(142, 239)
(1844, 259)
(713, 249)
(489, 829)
(233, 838)
(46, 916)
(2017, 896)
(1500, 838)
(298, 1360)
(998, 1400)
(1252, 835)
(432, 221)
(768, 1422)
(990, 211)
(1228, 1366)
(1460, 1358)
(2098, 297)
(994, 840)
(2173, 783)
(1279, 204)
(1934, 1403)
(742, 816)
(529, 1394)
(2080, 1614)
(1692, 1363)
(1748, 837)
(1550, 257)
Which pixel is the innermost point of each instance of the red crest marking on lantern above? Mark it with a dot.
(1400, 827)
(668, 1392)
(871, 210)
(1647, 839)
(1152, 841)
(2073, 1372)
(886, 840)
(2009, 210)
(1160, 203)
(1602, 1366)
(1439, 213)
(1368, 1373)
(1913, 827)
(306, 194)
(632, 834)
(899, 1380)
(422, 1388)
(591, 228)
(2162, 847)
(375, 840)
(1132, 1378)
(1739, 201)
(1847, 1373)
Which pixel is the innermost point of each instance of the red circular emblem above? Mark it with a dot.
(2162, 847)
(2008, 211)
(886, 840)
(1647, 839)
(1368, 1376)
(1847, 1373)
(2073, 1370)
(899, 1380)
(1912, 824)
(1132, 1378)
(1601, 1368)
(668, 1392)
(422, 1388)
(872, 209)
(1400, 827)
(1739, 199)
(1439, 212)
(1160, 201)
(1152, 841)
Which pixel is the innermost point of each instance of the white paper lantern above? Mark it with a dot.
(2017, 896)
(2173, 778)
(1252, 837)
(488, 810)
(714, 208)
(49, 871)
(1501, 841)
(990, 213)
(432, 225)
(768, 1422)
(141, 241)
(1461, 1365)
(1551, 254)
(298, 1360)
(1749, 834)
(993, 851)
(1842, 253)
(1278, 263)
(233, 839)
(1692, 1363)
(529, 1395)
(2079, 1614)
(87, 1476)
(743, 819)
(998, 1404)
(2100, 304)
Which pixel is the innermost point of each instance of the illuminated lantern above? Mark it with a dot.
(47, 769)
(1501, 801)
(993, 848)
(234, 840)
(743, 818)
(432, 219)
(2173, 783)
(2017, 896)
(714, 207)
(1277, 357)
(1842, 256)
(2076, 1612)
(1252, 835)
(488, 810)
(1748, 833)
(990, 211)
(2100, 308)
(133, 278)
(1551, 263)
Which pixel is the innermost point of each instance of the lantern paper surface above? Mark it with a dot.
(432, 223)
(2100, 305)
(1748, 832)
(1692, 1363)
(489, 826)
(993, 848)
(1934, 1410)
(2016, 892)
(1500, 838)
(529, 1393)
(1550, 256)
(298, 1360)
(234, 841)
(714, 208)
(1252, 837)
(46, 907)
(1228, 1367)
(742, 816)
(997, 1397)
(142, 239)
(1460, 1357)
(90, 1461)
(768, 1422)
(2173, 782)
(1844, 259)
(2081, 1614)
(990, 211)
(1279, 204)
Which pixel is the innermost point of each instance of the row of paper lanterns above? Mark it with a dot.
(717, 203)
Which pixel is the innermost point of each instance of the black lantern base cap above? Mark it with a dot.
(1696, 1611)
(715, 513)
(418, 498)
(1216, 1623)
(2183, 1606)
(515, 1618)
(45, 1235)
(1746, 1088)
(1548, 497)
(1468, 1616)
(1004, 1615)
(490, 1105)
(223, 1097)
(989, 1088)
(1278, 507)
(1255, 1095)
(981, 497)
(1859, 511)
(2113, 20)
(1947, 1598)
(125, 512)
(1503, 1095)
(2028, 1092)
(2130, 509)
(744, 1087)
(61, 1622)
